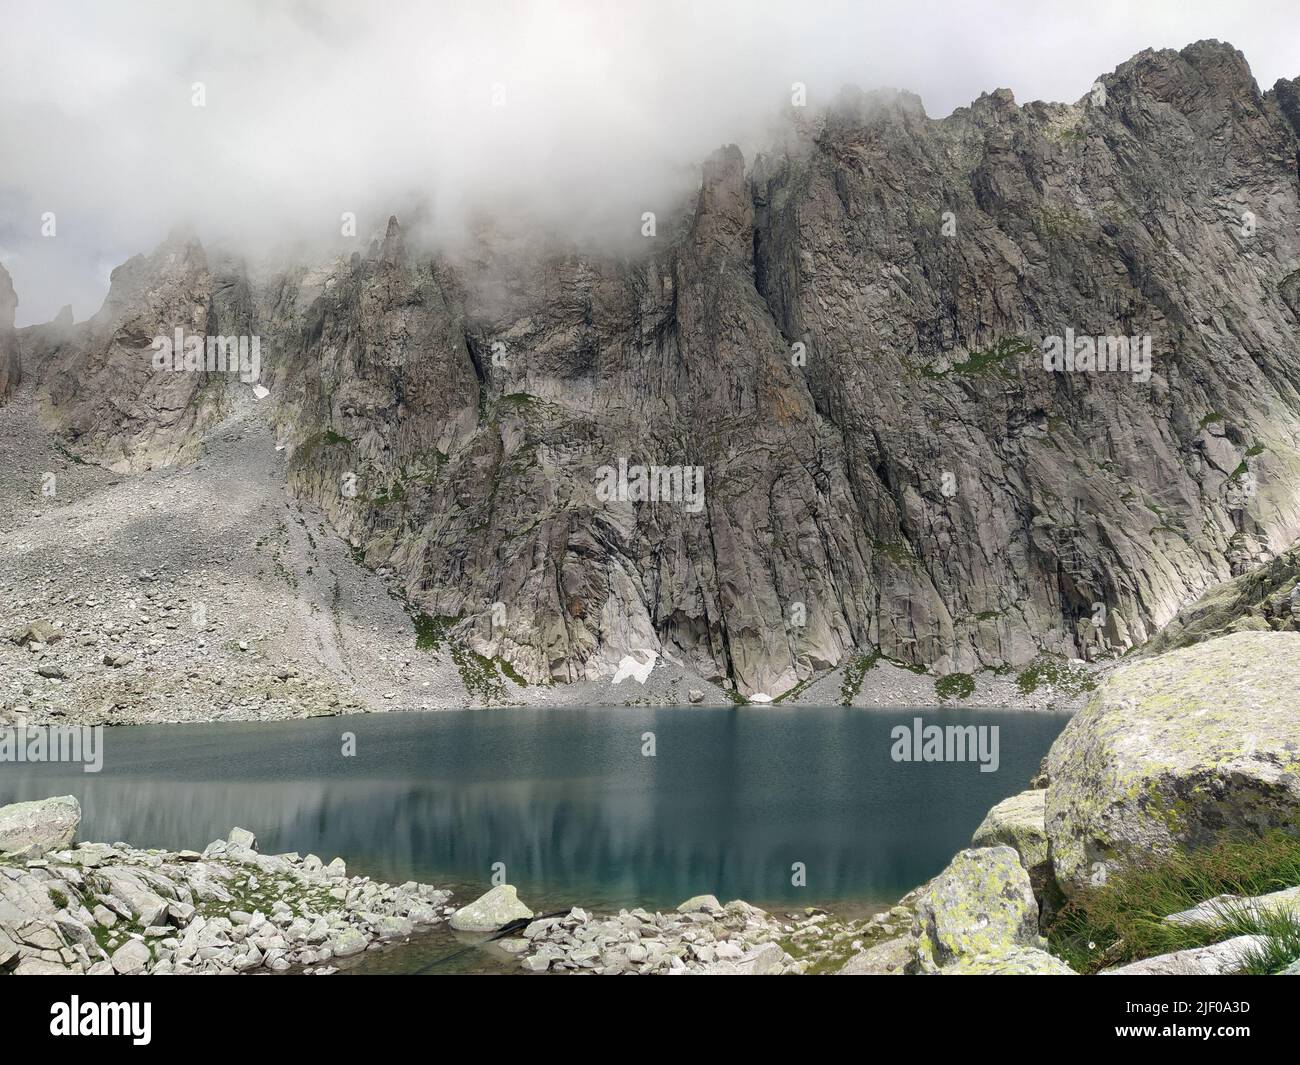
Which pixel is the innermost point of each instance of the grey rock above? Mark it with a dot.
(241, 837)
(491, 911)
(32, 828)
(1220, 959)
(130, 958)
(1214, 911)
(707, 903)
(1176, 751)
(347, 942)
(894, 957)
(980, 906)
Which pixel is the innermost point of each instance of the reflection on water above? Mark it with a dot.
(564, 798)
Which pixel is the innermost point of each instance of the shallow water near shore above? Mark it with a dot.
(566, 799)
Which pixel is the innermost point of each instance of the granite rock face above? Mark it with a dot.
(844, 337)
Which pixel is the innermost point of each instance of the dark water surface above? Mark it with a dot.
(565, 798)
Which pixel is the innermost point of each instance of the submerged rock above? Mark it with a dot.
(490, 912)
(1174, 752)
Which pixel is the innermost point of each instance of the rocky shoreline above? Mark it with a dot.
(103, 909)
(70, 907)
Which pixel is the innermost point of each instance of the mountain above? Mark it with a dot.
(847, 337)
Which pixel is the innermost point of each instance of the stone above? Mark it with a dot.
(1018, 822)
(695, 696)
(491, 911)
(33, 828)
(1219, 959)
(37, 632)
(241, 837)
(1176, 752)
(138, 899)
(347, 942)
(1213, 911)
(130, 958)
(697, 903)
(981, 905)
(1019, 961)
(894, 957)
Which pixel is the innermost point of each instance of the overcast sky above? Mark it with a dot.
(584, 113)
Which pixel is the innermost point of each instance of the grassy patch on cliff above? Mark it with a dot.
(1123, 920)
(955, 686)
(1058, 674)
(431, 632)
(854, 673)
(480, 675)
(986, 360)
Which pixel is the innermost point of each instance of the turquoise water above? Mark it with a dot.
(730, 802)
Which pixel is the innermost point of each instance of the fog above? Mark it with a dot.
(576, 116)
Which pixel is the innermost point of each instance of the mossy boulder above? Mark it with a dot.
(1020, 823)
(980, 908)
(1022, 961)
(893, 957)
(1175, 752)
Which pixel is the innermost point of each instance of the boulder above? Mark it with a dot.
(37, 632)
(130, 958)
(1020, 961)
(128, 886)
(1177, 751)
(347, 941)
(980, 906)
(698, 903)
(1020, 822)
(30, 829)
(1213, 911)
(893, 957)
(490, 912)
(241, 837)
(1219, 959)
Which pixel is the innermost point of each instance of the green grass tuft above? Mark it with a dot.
(955, 686)
(1124, 919)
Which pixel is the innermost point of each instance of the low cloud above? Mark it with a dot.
(577, 116)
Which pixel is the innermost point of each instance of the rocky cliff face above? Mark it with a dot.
(846, 339)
